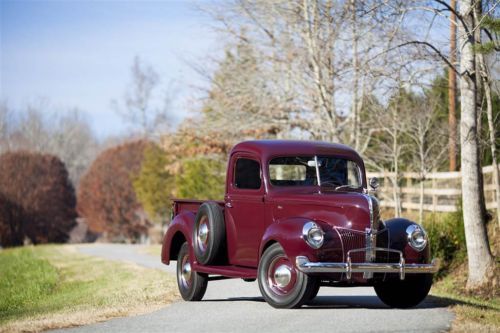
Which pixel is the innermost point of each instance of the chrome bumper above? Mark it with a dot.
(306, 266)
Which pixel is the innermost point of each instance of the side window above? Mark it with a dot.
(247, 174)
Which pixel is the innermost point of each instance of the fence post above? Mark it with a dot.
(434, 196)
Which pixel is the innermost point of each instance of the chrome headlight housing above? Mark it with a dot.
(417, 237)
(313, 235)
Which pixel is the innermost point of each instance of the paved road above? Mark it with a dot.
(236, 306)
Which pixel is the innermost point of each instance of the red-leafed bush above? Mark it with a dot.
(106, 197)
(37, 200)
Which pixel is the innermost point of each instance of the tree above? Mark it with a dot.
(426, 133)
(35, 128)
(139, 109)
(478, 251)
(154, 184)
(106, 197)
(201, 178)
(452, 88)
(38, 200)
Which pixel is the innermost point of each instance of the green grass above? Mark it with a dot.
(54, 286)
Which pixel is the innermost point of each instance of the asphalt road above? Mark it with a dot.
(237, 306)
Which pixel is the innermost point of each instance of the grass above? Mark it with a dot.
(154, 250)
(51, 286)
(473, 313)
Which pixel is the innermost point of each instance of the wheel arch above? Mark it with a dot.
(288, 233)
(182, 224)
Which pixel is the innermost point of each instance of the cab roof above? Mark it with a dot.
(267, 149)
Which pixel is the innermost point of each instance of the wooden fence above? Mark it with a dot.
(441, 190)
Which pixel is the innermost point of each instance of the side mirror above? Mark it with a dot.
(374, 183)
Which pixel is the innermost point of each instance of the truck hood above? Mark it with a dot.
(341, 209)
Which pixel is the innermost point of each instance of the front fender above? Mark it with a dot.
(179, 230)
(397, 239)
(288, 233)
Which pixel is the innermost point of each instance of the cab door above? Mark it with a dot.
(244, 212)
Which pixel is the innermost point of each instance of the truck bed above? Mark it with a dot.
(189, 205)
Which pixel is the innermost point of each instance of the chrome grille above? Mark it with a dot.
(352, 239)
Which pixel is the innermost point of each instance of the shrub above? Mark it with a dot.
(447, 237)
(36, 197)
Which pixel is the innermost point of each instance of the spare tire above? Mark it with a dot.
(209, 233)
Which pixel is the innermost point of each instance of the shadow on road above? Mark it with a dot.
(345, 302)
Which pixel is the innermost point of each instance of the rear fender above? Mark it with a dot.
(288, 233)
(181, 227)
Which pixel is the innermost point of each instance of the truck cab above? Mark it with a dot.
(297, 215)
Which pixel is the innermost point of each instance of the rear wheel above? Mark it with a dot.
(192, 285)
(281, 284)
(405, 293)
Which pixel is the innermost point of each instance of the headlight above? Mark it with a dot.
(417, 237)
(313, 235)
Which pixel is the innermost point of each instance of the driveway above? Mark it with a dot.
(237, 306)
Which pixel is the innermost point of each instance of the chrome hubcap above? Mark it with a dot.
(185, 273)
(202, 238)
(282, 276)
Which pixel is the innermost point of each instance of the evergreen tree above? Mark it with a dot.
(201, 178)
(153, 186)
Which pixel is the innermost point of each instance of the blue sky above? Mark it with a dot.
(79, 53)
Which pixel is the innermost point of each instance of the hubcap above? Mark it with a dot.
(202, 238)
(185, 272)
(282, 276)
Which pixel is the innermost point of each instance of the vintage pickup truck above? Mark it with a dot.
(297, 215)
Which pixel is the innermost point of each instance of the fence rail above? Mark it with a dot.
(441, 190)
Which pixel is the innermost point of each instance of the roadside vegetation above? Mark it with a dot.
(51, 286)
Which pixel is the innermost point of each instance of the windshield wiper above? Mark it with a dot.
(341, 187)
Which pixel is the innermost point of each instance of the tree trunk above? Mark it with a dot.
(452, 86)
(485, 78)
(479, 256)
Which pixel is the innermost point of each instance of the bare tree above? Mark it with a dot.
(423, 128)
(139, 109)
(452, 88)
(66, 134)
(478, 251)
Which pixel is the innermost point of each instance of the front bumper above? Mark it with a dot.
(304, 265)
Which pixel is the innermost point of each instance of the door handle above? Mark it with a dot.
(229, 205)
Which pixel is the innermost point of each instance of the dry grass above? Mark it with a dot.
(48, 287)
(473, 313)
(154, 250)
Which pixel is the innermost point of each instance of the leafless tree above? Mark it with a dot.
(427, 136)
(140, 108)
(65, 134)
(478, 251)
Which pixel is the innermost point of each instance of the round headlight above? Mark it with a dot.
(417, 237)
(313, 235)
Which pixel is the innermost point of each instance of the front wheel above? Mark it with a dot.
(405, 293)
(280, 283)
(192, 285)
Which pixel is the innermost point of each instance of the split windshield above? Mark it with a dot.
(335, 172)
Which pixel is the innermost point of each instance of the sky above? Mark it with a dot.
(78, 54)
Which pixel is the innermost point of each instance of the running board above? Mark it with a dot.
(228, 271)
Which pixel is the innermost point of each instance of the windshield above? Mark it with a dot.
(334, 172)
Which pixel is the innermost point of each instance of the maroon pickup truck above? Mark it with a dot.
(296, 216)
